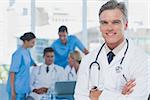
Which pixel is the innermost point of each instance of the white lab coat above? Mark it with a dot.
(40, 78)
(134, 67)
(149, 74)
(71, 73)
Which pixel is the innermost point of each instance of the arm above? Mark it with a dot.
(140, 92)
(127, 89)
(95, 93)
(85, 51)
(40, 90)
(12, 78)
(14, 68)
(81, 46)
(33, 78)
(32, 61)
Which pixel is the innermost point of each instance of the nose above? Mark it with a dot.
(110, 27)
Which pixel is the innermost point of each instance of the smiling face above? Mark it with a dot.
(63, 37)
(112, 26)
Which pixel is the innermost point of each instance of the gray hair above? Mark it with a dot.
(113, 4)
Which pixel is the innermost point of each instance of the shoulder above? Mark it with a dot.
(18, 52)
(56, 42)
(137, 54)
(67, 68)
(136, 50)
(59, 68)
(35, 69)
(92, 55)
(72, 37)
(88, 59)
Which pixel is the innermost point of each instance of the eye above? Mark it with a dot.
(103, 22)
(116, 22)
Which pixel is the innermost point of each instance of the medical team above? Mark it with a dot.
(117, 70)
(55, 68)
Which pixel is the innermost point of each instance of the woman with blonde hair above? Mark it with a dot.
(71, 69)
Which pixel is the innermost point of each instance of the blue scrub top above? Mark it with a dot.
(62, 51)
(20, 64)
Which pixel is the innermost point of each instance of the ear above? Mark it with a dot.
(126, 25)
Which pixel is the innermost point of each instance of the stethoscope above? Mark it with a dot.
(70, 74)
(54, 70)
(117, 68)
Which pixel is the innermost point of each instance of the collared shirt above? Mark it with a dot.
(20, 64)
(62, 51)
(71, 73)
(117, 49)
(41, 78)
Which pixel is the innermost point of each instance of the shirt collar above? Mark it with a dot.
(117, 49)
(50, 66)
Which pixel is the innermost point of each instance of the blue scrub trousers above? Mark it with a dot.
(18, 96)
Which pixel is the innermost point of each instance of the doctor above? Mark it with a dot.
(73, 66)
(44, 77)
(118, 69)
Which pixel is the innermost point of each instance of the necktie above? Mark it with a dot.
(110, 56)
(47, 69)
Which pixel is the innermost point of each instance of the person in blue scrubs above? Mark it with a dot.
(65, 45)
(18, 84)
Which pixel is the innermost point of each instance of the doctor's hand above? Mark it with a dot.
(44, 89)
(85, 51)
(128, 88)
(94, 94)
(40, 90)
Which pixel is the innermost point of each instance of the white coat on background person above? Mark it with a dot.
(44, 77)
(40, 78)
(71, 69)
(127, 82)
(71, 73)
